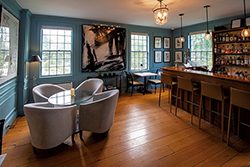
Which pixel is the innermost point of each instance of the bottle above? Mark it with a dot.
(238, 61)
(242, 61)
(233, 61)
(227, 37)
(246, 61)
(72, 92)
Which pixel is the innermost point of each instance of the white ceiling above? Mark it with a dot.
(136, 12)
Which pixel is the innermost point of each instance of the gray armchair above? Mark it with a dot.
(97, 116)
(93, 85)
(49, 126)
(41, 93)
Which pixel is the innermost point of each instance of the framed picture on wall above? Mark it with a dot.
(178, 57)
(157, 42)
(178, 43)
(236, 23)
(248, 21)
(166, 56)
(157, 56)
(166, 42)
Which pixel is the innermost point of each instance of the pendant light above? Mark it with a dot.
(182, 39)
(160, 13)
(208, 34)
(246, 31)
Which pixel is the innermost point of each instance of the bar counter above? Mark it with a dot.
(226, 82)
(197, 76)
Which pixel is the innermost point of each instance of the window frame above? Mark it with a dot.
(71, 50)
(206, 52)
(147, 51)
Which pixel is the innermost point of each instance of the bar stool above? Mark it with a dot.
(187, 85)
(167, 80)
(239, 98)
(213, 91)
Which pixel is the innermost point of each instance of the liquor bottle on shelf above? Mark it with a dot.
(238, 61)
(246, 61)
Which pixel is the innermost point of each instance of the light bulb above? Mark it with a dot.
(245, 32)
(207, 36)
(182, 39)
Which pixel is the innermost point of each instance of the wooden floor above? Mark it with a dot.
(143, 134)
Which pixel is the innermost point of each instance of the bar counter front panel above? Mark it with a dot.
(226, 82)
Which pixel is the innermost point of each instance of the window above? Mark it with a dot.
(201, 50)
(139, 52)
(4, 51)
(56, 51)
(9, 29)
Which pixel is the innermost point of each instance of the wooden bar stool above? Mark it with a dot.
(241, 99)
(213, 91)
(167, 80)
(187, 85)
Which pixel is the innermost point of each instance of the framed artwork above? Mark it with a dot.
(178, 43)
(236, 23)
(157, 56)
(157, 42)
(178, 57)
(248, 21)
(103, 48)
(166, 42)
(166, 56)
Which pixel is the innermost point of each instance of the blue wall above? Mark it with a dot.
(10, 97)
(37, 21)
(199, 28)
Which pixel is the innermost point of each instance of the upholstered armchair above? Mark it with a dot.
(97, 116)
(93, 85)
(49, 125)
(41, 93)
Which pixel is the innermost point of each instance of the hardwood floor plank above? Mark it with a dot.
(143, 134)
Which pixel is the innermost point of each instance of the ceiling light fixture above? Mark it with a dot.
(208, 34)
(246, 31)
(182, 39)
(160, 13)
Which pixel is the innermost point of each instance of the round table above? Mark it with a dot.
(64, 98)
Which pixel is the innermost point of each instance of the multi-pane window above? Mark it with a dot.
(139, 52)
(4, 51)
(201, 50)
(56, 51)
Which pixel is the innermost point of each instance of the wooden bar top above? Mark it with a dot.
(225, 80)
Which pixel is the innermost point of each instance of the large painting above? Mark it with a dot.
(103, 48)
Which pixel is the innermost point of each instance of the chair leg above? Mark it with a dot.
(177, 96)
(73, 138)
(238, 125)
(192, 107)
(170, 99)
(159, 101)
(210, 110)
(222, 120)
(200, 111)
(132, 89)
(155, 89)
(228, 125)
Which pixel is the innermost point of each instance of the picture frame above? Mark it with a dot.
(166, 42)
(157, 43)
(178, 43)
(236, 23)
(157, 56)
(166, 56)
(178, 57)
(248, 21)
